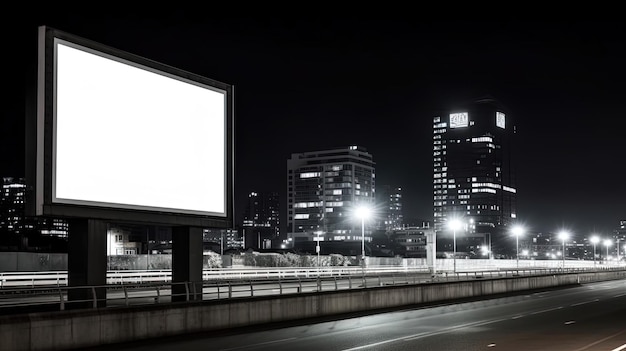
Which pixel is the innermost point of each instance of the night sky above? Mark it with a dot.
(312, 84)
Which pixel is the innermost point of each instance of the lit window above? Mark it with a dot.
(509, 189)
(309, 175)
(484, 139)
(500, 120)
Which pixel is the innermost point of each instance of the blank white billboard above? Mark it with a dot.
(128, 136)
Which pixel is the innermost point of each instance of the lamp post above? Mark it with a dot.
(563, 235)
(517, 231)
(363, 212)
(454, 225)
(594, 240)
(607, 243)
(318, 249)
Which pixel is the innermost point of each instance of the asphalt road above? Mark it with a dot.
(586, 317)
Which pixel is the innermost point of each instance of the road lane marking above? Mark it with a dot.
(570, 322)
(516, 317)
(548, 310)
(258, 344)
(424, 334)
(585, 302)
(603, 340)
(462, 326)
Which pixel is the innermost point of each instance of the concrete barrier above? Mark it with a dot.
(76, 329)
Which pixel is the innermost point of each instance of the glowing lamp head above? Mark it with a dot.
(563, 235)
(454, 224)
(518, 230)
(363, 212)
(608, 242)
(594, 239)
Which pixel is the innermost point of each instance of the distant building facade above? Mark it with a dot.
(548, 246)
(411, 241)
(222, 240)
(324, 188)
(389, 203)
(135, 239)
(473, 174)
(261, 221)
(619, 236)
(19, 232)
(124, 240)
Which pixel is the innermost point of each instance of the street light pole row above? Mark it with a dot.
(595, 239)
(455, 224)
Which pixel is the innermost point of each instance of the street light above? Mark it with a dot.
(607, 243)
(363, 212)
(563, 235)
(318, 249)
(594, 240)
(454, 225)
(517, 231)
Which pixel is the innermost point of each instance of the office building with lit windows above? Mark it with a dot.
(261, 223)
(389, 203)
(19, 232)
(473, 176)
(324, 188)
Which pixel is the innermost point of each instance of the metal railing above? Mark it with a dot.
(241, 284)
(60, 278)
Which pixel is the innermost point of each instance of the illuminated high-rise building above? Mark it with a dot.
(261, 223)
(389, 203)
(473, 175)
(39, 233)
(323, 190)
(12, 205)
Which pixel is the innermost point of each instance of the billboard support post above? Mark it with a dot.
(87, 262)
(187, 263)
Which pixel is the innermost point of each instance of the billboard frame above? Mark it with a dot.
(40, 114)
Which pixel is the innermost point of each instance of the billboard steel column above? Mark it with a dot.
(187, 263)
(86, 262)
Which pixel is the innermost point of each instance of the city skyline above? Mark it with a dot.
(305, 85)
